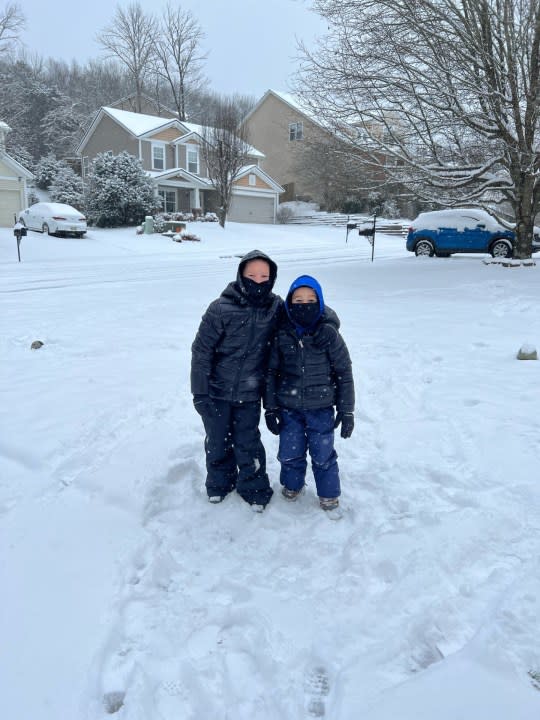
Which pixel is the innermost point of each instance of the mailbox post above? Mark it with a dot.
(19, 230)
(369, 232)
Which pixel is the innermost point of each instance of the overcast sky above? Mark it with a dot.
(251, 43)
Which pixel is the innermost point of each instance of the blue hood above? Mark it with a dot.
(310, 282)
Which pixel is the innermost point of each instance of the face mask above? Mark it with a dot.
(304, 314)
(257, 293)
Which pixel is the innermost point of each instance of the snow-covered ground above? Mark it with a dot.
(124, 592)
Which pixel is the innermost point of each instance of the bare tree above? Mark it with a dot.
(178, 57)
(447, 90)
(225, 151)
(203, 104)
(12, 22)
(131, 37)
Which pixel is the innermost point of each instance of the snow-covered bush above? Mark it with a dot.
(21, 155)
(46, 170)
(67, 188)
(390, 209)
(159, 223)
(119, 191)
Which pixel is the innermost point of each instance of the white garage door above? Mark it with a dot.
(245, 208)
(9, 204)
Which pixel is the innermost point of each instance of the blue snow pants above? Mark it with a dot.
(311, 430)
(235, 456)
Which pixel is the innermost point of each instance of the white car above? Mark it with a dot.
(53, 218)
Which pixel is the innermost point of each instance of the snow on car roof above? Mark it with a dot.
(454, 216)
(59, 207)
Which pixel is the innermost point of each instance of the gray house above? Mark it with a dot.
(13, 178)
(170, 151)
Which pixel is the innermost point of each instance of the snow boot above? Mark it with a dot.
(331, 508)
(291, 495)
(328, 504)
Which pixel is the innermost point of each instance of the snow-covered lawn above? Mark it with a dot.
(123, 590)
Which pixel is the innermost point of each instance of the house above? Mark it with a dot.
(311, 161)
(170, 152)
(279, 126)
(13, 179)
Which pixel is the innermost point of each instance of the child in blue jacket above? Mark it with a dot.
(309, 374)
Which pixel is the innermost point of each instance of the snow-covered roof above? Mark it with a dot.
(166, 174)
(15, 165)
(138, 123)
(292, 100)
(246, 169)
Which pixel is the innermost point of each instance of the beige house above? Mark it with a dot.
(13, 179)
(170, 152)
(279, 126)
(307, 158)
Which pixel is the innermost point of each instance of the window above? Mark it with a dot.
(252, 179)
(296, 131)
(168, 198)
(158, 157)
(193, 160)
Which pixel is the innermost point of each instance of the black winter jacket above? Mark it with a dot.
(232, 346)
(302, 376)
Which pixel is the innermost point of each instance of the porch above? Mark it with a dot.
(185, 194)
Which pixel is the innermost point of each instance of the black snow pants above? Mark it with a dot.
(235, 455)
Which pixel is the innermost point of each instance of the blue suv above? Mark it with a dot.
(461, 230)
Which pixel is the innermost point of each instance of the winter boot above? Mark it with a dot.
(291, 495)
(329, 504)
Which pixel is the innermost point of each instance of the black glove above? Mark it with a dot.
(203, 404)
(347, 423)
(273, 421)
(324, 336)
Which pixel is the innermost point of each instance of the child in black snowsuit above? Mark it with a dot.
(229, 360)
(309, 373)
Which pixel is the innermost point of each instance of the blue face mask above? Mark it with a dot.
(304, 314)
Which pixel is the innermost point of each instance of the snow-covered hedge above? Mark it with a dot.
(119, 191)
(67, 188)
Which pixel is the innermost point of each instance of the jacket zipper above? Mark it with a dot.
(244, 356)
(302, 368)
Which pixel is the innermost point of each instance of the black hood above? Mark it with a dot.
(255, 255)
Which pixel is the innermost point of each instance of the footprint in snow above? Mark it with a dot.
(317, 688)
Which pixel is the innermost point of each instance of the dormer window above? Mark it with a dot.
(193, 160)
(296, 131)
(158, 157)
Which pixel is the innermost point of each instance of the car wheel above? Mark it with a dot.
(501, 248)
(424, 247)
(45, 229)
(81, 235)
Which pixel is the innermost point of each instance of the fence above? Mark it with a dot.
(341, 220)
